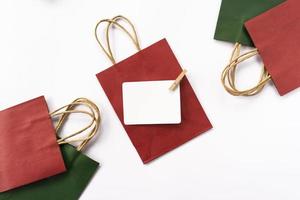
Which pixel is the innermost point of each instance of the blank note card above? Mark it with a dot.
(151, 102)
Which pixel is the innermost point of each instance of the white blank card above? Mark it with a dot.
(151, 102)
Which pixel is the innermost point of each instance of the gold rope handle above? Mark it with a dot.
(114, 21)
(63, 114)
(229, 74)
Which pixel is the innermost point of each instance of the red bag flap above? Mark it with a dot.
(276, 35)
(28, 148)
(156, 62)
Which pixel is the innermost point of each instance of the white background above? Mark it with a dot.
(47, 47)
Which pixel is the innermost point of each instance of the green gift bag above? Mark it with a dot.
(80, 168)
(234, 13)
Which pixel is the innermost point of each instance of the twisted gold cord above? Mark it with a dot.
(64, 113)
(111, 22)
(133, 37)
(228, 77)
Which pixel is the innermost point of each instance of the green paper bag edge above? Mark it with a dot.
(230, 25)
(71, 157)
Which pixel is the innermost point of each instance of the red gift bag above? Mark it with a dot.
(275, 33)
(157, 62)
(28, 145)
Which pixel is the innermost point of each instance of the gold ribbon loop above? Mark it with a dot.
(92, 128)
(114, 21)
(229, 74)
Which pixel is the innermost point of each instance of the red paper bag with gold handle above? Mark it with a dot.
(29, 144)
(275, 34)
(80, 168)
(230, 27)
(28, 148)
(156, 62)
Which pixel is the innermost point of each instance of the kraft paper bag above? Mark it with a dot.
(276, 35)
(29, 150)
(234, 13)
(156, 62)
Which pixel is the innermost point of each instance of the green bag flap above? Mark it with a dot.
(234, 13)
(66, 186)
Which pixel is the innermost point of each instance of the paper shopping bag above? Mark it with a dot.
(28, 148)
(276, 35)
(80, 168)
(66, 186)
(154, 63)
(234, 13)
